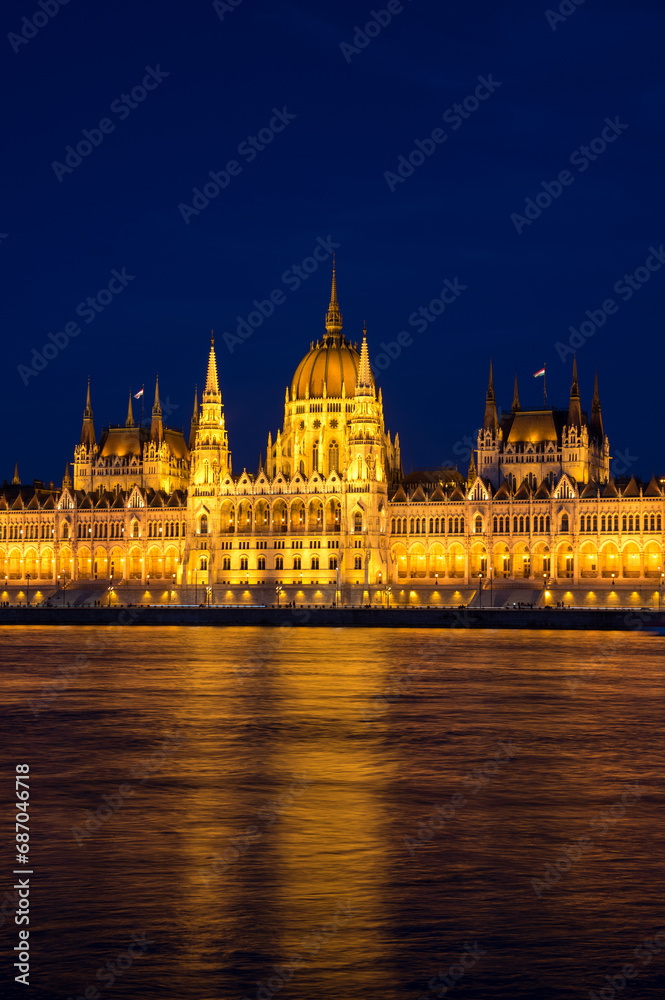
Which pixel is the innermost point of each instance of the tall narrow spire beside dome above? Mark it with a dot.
(212, 382)
(156, 425)
(596, 421)
(491, 420)
(516, 397)
(574, 406)
(129, 422)
(88, 428)
(365, 379)
(195, 419)
(334, 315)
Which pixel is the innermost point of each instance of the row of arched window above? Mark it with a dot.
(418, 525)
(521, 524)
(629, 522)
(279, 563)
(170, 530)
(32, 531)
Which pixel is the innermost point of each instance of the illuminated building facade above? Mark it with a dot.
(330, 515)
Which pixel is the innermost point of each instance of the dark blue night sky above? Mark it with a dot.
(309, 125)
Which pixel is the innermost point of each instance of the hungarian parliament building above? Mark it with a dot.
(330, 514)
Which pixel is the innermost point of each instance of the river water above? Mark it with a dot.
(228, 813)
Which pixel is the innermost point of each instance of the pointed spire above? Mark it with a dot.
(156, 408)
(334, 316)
(596, 422)
(491, 419)
(365, 379)
(16, 481)
(471, 475)
(195, 419)
(516, 397)
(66, 479)
(574, 407)
(211, 393)
(156, 425)
(129, 422)
(88, 428)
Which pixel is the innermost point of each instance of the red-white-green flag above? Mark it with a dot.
(539, 373)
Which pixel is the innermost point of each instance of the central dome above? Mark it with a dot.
(332, 362)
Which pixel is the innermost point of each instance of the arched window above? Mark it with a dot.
(658, 523)
(526, 523)
(149, 529)
(80, 526)
(135, 529)
(637, 522)
(624, 523)
(332, 562)
(297, 562)
(357, 563)
(279, 562)
(244, 563)
(595, 522)
(564, 522)
(450, 525)
(616, 522)
(333, 457)
(630, 523)
(423, 525)
(456, 528)
(203, 562)
(177, 529)
(602, 523)
(412, 526)
(478, 525)
(226, 563)
(65, 530)
(494, 524)
(403, 525)
(392, 525)
(437, 525)
(431, 525)
(547, 523)
(261, 562)
(358, 521)
(515, 523)
(315, 457)
(315, 562)
(461, 525)
(521, 525)
(204, 524)
(653, 526)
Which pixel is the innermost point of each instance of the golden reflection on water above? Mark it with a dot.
(286, 808)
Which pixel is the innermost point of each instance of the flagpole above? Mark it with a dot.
(142, 404)
(544, 387)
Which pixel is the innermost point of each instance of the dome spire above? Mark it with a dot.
(212, 382)
(334, 316)
(365, 380)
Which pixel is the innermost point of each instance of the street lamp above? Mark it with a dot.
(388, 596)
(491, 586)
(27, 599)
(174, 587)
(480, 590)
(278, 591)
(612, 579)
(660, 587)
(436, 581)
(110, 588)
